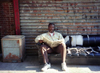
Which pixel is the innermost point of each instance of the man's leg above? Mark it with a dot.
(61, 48)
(45, 50)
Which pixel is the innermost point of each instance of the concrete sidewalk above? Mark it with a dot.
(31, 65)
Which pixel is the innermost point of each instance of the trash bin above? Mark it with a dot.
(13, 48)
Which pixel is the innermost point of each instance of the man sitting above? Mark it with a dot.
(53, 42)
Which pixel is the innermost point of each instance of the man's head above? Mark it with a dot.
(51, 27)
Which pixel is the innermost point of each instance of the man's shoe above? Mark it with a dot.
(46, 66)
(64, 67)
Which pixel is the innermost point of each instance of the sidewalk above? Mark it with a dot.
(31, 65)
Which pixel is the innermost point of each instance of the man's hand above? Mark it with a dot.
(40, 41)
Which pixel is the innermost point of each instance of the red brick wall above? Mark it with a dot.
(70, 16)
(7, 26)
(7, 19)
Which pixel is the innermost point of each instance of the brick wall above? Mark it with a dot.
(70, 17)
(7, 26)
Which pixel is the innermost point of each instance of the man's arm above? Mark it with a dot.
(39, 39)
(60, 36)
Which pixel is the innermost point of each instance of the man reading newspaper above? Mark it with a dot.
(53, 42)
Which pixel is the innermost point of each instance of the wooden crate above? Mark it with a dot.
(13, 48)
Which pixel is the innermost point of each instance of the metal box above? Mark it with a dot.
(13, 48)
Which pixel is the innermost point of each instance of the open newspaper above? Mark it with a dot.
(52, 43)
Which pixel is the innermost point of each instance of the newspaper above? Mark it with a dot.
(52, 43)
